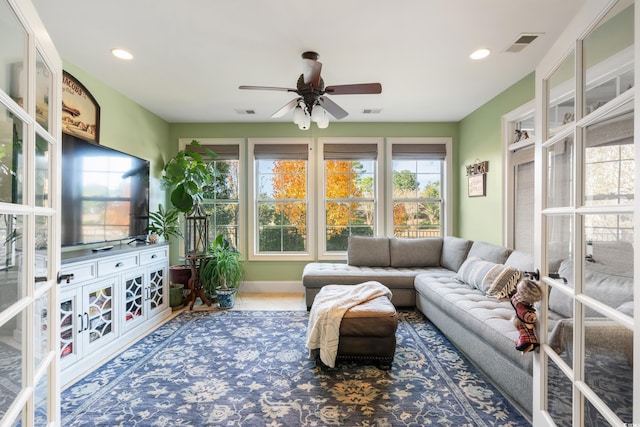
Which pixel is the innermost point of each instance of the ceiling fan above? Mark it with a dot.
(311, 103)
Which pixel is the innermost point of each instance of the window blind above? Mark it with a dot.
(281, 151)
(350, 151)
(224, 152)
(419, 151)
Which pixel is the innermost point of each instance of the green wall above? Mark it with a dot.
(480, 218)
(126, 126)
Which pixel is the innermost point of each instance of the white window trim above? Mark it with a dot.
(242, 203)
(447, 188)
(252, 235)
(379, 167)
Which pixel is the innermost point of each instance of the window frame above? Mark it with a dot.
(211, 143)
(378, 201)
(446, 214)
(252, 218)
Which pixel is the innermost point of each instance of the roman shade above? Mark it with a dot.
(419, 151)
(281, 151)
(350, 151)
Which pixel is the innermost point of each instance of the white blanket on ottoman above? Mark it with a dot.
(329, 306)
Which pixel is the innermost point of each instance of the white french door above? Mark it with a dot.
(30, 100)
(588, 370)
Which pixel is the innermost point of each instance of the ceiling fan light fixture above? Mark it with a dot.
(306, 123)
(318, 114)
(298, 115)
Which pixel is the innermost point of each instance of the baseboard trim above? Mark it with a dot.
(293, 287)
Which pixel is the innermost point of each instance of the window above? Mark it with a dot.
(221, 201)
(419, 177)
(417, 180)
(518, 136)
(280, 193)
(350, 188)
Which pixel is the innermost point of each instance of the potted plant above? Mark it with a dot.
(163, 223)
(222, 271)
(188, 176)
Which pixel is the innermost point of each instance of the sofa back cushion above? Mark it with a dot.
(489, 252)
(368, 251)
(454, 252)
(423, 252)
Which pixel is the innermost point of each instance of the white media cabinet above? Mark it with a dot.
(109, 299)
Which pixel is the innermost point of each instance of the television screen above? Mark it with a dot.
(105, 193)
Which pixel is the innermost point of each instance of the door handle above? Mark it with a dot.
(61, 277)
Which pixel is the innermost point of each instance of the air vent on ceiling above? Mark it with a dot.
(371, 110)
(523, 41)
(243, 111)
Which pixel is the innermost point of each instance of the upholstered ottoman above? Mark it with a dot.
(353, 322)
(368, 332)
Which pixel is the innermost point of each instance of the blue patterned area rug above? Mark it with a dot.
(251, 368)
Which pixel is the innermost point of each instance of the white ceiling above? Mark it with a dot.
(191, 56)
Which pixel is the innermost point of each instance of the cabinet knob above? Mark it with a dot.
(120, 264)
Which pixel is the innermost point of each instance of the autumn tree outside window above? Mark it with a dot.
(282, 198)
(349, 190)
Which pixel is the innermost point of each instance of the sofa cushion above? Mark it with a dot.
(523, 261)
(424, 252)
(368, 251)
(454, 252)
(489, 252)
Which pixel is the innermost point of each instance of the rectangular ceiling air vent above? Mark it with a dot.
(243, 111)
(371, 111)
(523, 41)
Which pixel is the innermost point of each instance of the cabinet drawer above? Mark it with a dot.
(148, 257)
(81, 272)
(115, 265)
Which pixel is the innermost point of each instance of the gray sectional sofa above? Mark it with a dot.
(426, 273)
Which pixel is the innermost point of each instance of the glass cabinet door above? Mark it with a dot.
(98, 316)
(134, 301)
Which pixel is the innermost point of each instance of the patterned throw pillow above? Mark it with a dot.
(495, 280)
(501, 281)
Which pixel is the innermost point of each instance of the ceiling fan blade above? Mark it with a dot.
(282, 89)
(311, 71)
(332, 108)
(355, 89)
(286, 108)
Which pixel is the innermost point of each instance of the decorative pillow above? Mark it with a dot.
(454, 252)
(424, 252)
(501, 281)
(473, 271)
(368, 251)
(489, 252)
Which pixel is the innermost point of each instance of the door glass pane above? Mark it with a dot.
(562, 96)
(609, 367)
(12, 51)
(609, 162)
(608, 265)
(12, 280)
(43, 168)
(559, 398)
(42, 250)
(560, 173)
(41, 330)
(41, 399)
(11, 157)
(12, 357)
(523, 207)
(608, 57)
(560, 302)
(44, 85)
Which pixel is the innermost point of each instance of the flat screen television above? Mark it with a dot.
(105, 193)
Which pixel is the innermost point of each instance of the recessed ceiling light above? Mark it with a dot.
(122, 54)
(480, 54)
